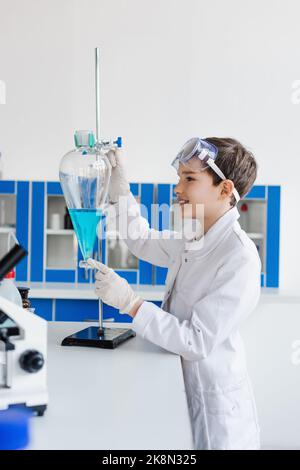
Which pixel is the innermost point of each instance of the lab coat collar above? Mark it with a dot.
(213, 236)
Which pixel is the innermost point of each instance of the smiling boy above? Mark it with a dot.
(212, 285)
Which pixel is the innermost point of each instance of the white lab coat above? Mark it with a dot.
(210, 290)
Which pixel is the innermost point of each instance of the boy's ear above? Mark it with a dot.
(226, 188)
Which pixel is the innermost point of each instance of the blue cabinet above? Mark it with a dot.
(60, 261)
(261, 221)
(14, 220)
(37, 232)
(77, 310)
(28, 210)
(165, 198)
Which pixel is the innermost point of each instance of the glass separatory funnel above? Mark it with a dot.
(84, 175)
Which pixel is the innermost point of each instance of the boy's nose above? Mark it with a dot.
(176, 187)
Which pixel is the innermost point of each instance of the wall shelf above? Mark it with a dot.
(50, 231)
(258, 236)
(8, 229)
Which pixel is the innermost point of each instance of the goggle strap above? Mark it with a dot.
(217, 170)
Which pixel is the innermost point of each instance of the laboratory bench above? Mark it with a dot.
(132, 397)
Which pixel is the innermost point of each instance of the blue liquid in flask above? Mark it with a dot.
(85, 223)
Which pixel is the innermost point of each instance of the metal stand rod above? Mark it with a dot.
(97, 92)
(101, 330)
(97, 84)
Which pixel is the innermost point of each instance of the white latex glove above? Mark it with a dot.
(112, 288)
(118, 185)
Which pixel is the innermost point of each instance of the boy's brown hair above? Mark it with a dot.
(236, 162)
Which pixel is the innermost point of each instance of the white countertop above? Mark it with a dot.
(132, 397)
(61, 290)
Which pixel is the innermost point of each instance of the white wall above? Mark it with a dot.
(170, 69)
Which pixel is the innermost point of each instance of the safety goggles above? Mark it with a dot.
(206, 152)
